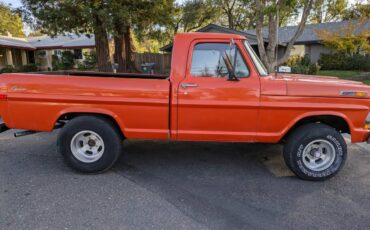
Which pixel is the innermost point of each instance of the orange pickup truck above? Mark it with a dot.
(218, 90)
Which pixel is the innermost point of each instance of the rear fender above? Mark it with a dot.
(96, 111)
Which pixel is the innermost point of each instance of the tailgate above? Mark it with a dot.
(3, 95)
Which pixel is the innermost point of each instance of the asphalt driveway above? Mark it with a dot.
(160, 185)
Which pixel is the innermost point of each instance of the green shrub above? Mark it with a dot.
(55, 62)
(29, 68)
(89, 61)
(8, 69)
(65, 62)
(302, 65)
(337, 61)
(81, 66)
(313, 69)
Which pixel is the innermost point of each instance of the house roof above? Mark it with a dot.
(15, 43)
(47, 42)
(309, 32)
(285, 33)
(213, 28)
(252, 38)
(62, 41)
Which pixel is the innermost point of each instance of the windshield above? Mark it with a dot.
(260, 67)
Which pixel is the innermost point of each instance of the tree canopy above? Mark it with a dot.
(151, 24)
(349, 40)
(327, 10)
(357, 11)
(10, 21)
(102, 18)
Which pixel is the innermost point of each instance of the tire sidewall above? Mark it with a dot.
(107, 134)
(340, 156)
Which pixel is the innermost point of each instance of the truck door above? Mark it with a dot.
(211, 107)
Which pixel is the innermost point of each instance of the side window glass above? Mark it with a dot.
(215, 60)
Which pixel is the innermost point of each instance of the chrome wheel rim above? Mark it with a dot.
(87, 146)
(319, 155)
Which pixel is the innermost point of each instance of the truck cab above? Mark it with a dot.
(216, 87)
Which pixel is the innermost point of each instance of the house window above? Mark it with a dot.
(31, 57)
(2, 57)
(17, 57)
(58, 53)
(77, 53)
(41, 53)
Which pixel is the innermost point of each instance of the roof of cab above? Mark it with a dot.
(199, 35)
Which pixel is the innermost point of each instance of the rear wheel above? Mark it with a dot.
(90, 144)
(315, 152)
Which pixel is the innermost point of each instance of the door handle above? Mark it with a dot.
(186, 85)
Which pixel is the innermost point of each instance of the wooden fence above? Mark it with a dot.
(162, 61)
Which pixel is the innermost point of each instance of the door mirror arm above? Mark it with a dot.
(232, 75)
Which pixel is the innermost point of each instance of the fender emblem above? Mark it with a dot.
(18, 89)
(353, 93)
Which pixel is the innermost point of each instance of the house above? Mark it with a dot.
(307, 44)
(47, 46)
(18, 52)
(15, 51)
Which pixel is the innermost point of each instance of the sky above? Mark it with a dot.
(14, 3)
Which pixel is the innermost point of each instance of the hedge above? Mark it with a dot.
(337, 61)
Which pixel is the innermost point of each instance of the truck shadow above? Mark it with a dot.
(221, 185)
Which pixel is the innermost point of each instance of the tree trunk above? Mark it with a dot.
(306, 12)
(120, 53)
(230, 19)
(259, 26)
(102, 48)
(129, 48)
(268, 55)
(119, 47)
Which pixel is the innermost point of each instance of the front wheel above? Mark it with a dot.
(90, 144)
(315, 152)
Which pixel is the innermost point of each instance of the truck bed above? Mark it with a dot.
(139, 102)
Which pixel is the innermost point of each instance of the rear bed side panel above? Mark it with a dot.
(140, 106)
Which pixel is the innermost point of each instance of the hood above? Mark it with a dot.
(321, 86)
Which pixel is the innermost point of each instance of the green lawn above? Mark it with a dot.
(347, 74)
(340, 73)
(367, 82)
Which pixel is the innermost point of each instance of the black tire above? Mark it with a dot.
(108, 133)
(297, 160)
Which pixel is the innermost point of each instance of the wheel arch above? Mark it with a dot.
(336, 120)
(67, 115)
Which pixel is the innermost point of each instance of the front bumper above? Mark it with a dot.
(368, 140)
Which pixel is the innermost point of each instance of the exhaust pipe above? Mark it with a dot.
(23, 133)
(29, 132)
